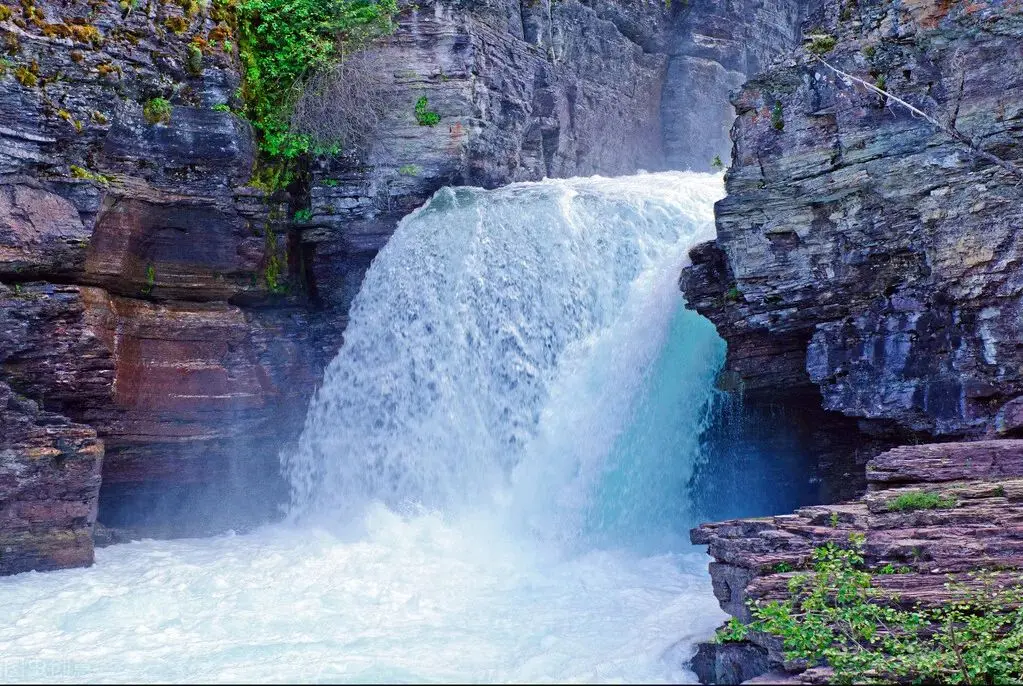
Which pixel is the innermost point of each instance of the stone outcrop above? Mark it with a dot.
(49, 476)
(864, 254)
(912, 553)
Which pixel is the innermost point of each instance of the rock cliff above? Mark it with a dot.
(867, 264)
(864, 254)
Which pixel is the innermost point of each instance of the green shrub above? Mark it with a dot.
(424, 115)
(283, 42)
(777, 116)
(920, 500)
(835, 616)
(409, 170)
(822, 44)
(303, 215)
(157, 111)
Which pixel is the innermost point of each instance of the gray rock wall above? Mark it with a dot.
(862, 250)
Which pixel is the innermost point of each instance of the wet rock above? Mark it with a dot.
(49, 487)
(729, 663)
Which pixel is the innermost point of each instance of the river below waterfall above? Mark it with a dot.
(492, 484)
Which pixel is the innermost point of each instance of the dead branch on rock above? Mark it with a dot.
(948, 129)
(342, 105)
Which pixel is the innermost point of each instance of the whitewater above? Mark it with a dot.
(491, 486)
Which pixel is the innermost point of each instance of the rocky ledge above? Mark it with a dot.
(976, 524)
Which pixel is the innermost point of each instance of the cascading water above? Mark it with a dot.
(490, 484)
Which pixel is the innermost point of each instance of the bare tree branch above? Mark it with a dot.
(949, 129)
(343, 104)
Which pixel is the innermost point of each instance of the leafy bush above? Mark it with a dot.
(777, 116)
(157, 111)
(919, 500)
(424, 115)
(822, 44)
(837, 617)
(284, 42)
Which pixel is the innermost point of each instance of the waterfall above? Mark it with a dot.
(490, 486)
(502, 342)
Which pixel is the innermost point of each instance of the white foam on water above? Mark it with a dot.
(415, 600)
(474, 476)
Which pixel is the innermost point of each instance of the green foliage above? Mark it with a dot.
(193, 59)
(83, 173)
(733, 630)
(716, 163)
(424, 115)
(157, 111)
(150, 280)
(837, 617)
(303, 215)
(777, 116)
(920, 500)
(834, 520)
(783, 567)
(282, 42)
(822, 44)
(222, 107)
(273, 271)
(409, 170)
(733, 294)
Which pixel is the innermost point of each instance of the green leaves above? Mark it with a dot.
(424, 115)
(283, 41)
(837, 617)
(919, 500)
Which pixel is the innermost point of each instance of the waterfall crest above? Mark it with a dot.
(500, 343)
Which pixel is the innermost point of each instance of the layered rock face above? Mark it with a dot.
(861, 250)
(134, 262)
(869, 263)
(911, 552)
(714, 49)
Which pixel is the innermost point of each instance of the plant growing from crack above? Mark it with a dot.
(836, 616)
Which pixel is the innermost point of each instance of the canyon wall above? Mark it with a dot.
(862, 252)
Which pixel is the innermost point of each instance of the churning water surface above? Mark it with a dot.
(491, 485)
